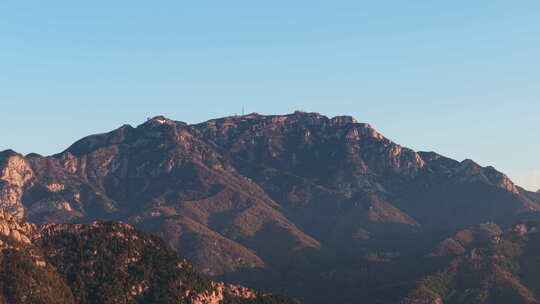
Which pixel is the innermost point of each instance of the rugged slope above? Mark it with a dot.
(158, 177)
(102, 263)
(321, 208)
(484, 264)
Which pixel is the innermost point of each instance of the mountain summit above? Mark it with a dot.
(298, 203)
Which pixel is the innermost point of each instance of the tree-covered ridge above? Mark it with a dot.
(135, 266)
(104, 262)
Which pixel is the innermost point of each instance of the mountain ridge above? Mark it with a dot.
(258, 199)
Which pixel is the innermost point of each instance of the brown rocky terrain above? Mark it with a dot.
(325, 209)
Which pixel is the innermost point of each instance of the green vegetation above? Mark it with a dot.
(22, 281)
(102, 263)
(114, 264)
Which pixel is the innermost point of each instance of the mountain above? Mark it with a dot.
(103, 263)
(324, 209)
(484, 264)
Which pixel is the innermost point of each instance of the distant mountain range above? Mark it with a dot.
(326, 210)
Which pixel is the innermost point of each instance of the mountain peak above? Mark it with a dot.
(343, 120)
(304, 113)
(159, 119)
(297, 117)
(33, 155)
(7, 153)
(314, 116)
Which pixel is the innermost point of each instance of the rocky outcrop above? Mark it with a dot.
(17, 231)
(221, 291)
(15, 175)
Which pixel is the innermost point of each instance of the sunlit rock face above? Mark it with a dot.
(15, 176)
(18, 231)
(260, 199)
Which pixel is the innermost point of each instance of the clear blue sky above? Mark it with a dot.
(458, 77)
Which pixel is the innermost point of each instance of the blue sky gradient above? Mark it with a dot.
(457, 77)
